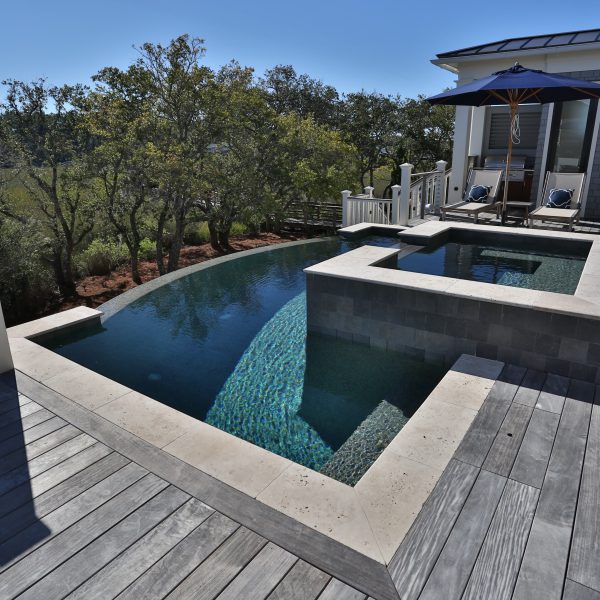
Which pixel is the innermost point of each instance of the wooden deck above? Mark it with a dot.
(517, 512)
(90, 511)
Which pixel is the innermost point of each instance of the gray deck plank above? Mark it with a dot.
(44, 462)
(576, 591)
(337, 590)
(454, 565)
(57, 474)
(584, 559)
(545, 560)
(17, 428)
(215, 573)
(534, 453)
(422, 545)
(16, 442)
(261, 575)
(18, 412)
(30, 451)
(64, 516)
(55, 497)
(179, 562)
(504, 450)
(322, 551)
(497, 565)
(552, 396)
(303, 582)
(530, 388)
(85, 566)
(127, 567)
(50, 555)
(481, 435)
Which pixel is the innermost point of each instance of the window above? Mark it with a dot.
(571, 136)
(529, 123)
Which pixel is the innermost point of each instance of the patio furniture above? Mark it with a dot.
(489, 178)
(566, 216)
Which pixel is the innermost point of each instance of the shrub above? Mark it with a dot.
(196, 234)
(147, 249)
(27, 283)
(103, 256)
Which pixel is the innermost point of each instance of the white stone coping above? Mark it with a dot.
(365, 229)
(361, 265)
(372, 517)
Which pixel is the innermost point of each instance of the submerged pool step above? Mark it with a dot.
(354, 457)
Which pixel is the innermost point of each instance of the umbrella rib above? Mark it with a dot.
(587, 92)
(499, 96)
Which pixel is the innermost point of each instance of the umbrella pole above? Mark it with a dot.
(513, 111)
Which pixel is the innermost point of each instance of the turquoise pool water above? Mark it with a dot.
(228, 345)
(504, 261)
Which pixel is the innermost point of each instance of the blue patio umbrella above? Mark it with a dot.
(514, 86)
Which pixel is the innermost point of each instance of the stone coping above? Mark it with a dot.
(361, 265)
(372, 517)
(361, 229)
(114, 305)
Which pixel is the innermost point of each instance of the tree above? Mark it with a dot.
(40, 132)
(124, 160)
(181, 91)
(369, 123)
(288, 92)
(425, 136)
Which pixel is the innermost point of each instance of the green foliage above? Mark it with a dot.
(27, 283)
(102, 256)
(147, 249)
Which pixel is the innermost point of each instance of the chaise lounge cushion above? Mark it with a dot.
(554, 213)
(558, 198)
(479, 193)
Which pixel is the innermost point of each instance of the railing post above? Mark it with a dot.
(440, 188)
(345, 195)
(6, 362)
(369, 191)
(395, 204)
(405, 176)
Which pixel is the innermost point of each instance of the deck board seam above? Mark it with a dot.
(587, 439)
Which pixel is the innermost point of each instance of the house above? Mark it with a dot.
(555, 137)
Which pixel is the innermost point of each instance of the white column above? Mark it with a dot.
(405, 177)
(460, 151)
(396, 204)
(369, 191)
(6, 362)
(440, 188)
(345, 195)
(477, 131)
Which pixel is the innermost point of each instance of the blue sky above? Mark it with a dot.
(377, 45)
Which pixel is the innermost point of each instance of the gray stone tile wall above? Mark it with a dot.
(439, 328)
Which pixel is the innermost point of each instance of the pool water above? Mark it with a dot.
(503, 262)
(228, 345)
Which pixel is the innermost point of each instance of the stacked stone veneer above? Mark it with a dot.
(439, 327)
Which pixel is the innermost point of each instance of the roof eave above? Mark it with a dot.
(451, 63)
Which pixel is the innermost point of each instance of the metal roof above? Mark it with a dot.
(552, 40)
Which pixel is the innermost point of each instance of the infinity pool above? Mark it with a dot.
(228, 345)
(546, 265)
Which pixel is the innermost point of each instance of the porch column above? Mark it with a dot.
(6, 362)
(460, 153)
(477, 131)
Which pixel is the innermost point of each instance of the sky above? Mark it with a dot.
(375, 45)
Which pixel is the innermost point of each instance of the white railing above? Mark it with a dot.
(364, 208)
(419, 194)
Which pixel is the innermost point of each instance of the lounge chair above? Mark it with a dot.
(489, 178)
(566, 216)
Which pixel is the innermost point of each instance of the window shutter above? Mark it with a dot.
(529, 123)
